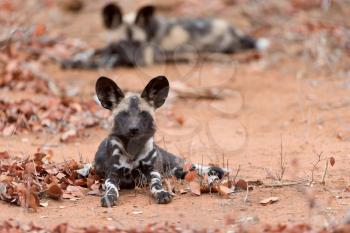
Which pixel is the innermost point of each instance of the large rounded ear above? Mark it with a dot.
(108, 92)
(144, 16)
(156, 91)
(112, 16)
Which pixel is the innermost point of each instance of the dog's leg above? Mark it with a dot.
(112, 193)
(157, 191)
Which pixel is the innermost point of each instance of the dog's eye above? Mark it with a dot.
(144, 114)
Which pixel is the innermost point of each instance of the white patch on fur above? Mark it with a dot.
(125, 103)
(109, 186)
(116, 152)
(149, 146)
(117, 34)
(262, 44)
(115, 142)
(129, 18)
(155, 174)
(124, 160)
(156, 179)
(148, 56)
(145, 106)
(219, 28)
(138, 34)
(120, 33)
(177, 37)
(155, 191)
(202, 169)
(149, 162)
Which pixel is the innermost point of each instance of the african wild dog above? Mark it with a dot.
(129, 155)
(146, 38)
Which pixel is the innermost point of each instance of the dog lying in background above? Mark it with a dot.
(129, 155)
(146, 38)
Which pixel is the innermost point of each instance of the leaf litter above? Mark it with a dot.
(16, 226)
(26, 182)
(52, 115)
(22, 57)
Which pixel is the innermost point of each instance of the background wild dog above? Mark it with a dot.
(146, 38)
(129, 155)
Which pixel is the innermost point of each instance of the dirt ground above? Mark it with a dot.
(279, 97)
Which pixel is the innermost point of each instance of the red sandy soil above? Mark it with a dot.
(273, 102)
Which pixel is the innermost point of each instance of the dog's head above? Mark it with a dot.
(132, 114)
(139, 27)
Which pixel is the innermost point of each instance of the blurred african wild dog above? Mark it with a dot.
(129, 156)
(146, 38)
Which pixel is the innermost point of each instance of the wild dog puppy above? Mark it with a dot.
(146, 38)
(129, 155)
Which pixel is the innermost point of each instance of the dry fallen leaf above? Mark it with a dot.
(85, 170)
(94, 193)
(195, 188)
(4, 155)
(224, 191)
(180, 120)
(44, 204)
(191, 176)
(60, 175)
(80, 182)
(137, 212)
(75, 191)
(27, 198)
(182, 190)
(69, 136)
(332, 161)
(9, 130)
(54, 191)
(241, 184)
(40, 30)
(30, 168)
(269, 200)
(187, 166)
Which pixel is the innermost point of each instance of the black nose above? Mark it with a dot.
(133, 131)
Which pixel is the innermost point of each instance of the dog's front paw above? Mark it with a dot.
(108, 200)
(163, 197)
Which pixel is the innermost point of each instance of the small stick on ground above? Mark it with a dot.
(234, 178)
(246, 195)
(325, 173)
(201, 172)
(280, 185)
(228, 175)
(223, 160)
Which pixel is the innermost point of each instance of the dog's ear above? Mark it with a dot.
(112, 16)
(108, 92)
(156, 91)
(144, 16)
